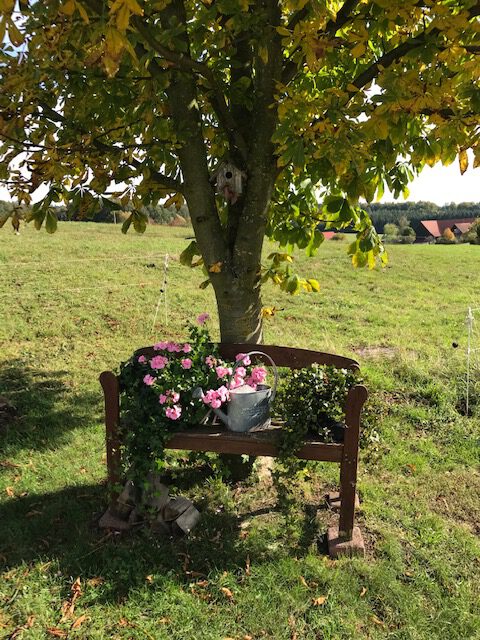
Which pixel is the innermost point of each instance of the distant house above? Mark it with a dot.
(436, 228)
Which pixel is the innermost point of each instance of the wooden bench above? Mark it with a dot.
(346, 539)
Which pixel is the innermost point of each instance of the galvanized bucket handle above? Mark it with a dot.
(257, 353)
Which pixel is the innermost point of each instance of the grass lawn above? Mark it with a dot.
(81, 301)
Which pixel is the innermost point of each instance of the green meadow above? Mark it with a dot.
(80, 301)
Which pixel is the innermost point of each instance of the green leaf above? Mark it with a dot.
(187, 255)
(204, 284)
(110, 205)
(333, 204)
(140, 220)
(51, 222)
(127, 223)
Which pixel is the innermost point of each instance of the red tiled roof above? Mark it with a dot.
(437, 227)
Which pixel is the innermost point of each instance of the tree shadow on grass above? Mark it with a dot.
(44, 409)
(61, 527)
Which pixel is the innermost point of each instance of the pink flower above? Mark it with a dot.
(223, 393)
(216, 403)
(158, 362)
(211, 361)
(251, 382)
(241, 372)
(187, 363)
(259, 374)
(202, 318)
(174, 395)
(142, 359)
(237, 381)
(223, 371)
(173, 347)
(162, 399)
(174, 412)
(149, 380)
(244, 357)
(160, 346)
(187, 348)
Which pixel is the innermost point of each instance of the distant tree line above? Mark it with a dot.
(392, 212)
(157, 214)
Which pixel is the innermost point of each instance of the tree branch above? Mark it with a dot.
(162, 179)
(217, 98)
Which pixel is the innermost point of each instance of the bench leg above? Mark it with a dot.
(109, 382)
(347, 539)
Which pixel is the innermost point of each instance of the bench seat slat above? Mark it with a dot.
(259, 443)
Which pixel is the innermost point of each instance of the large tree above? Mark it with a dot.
(297, 99)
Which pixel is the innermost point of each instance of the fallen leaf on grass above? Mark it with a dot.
(58, 633)
(16, 632)
(79, 621)
(10, 465)
(195, 574)
(163, 621)
(226, 592)
(318, 602)
(247, 566)
(10, 492)
(363, 592)
(378, 621)
(202, 583)
(304, 582)
(149, 579)
(68, 607)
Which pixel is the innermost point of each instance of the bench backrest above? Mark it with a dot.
(290, 357)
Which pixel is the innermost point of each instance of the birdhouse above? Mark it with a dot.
(229, 180)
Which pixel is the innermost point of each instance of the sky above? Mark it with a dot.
(438, 184)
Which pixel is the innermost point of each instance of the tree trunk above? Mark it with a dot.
(239, 310)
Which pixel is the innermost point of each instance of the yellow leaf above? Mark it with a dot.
(463, 161)
(263, 53)
(226, 592)
(83, 13)
(215, 268)
(363, 592)
(284, 32)
(352, 87)
(68, 8)
(79, 621)
(14, 34)
(134, 7)
(123, 17)
(269, 312)
(358, 50)
(318, 602)
(9, 491)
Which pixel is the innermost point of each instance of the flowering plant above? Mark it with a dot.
(158, 392)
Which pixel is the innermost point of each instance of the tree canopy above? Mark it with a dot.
(307, 99)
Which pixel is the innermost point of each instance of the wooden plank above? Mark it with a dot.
(348, 467)
(282, 356)
(110, 385)
(254, 444)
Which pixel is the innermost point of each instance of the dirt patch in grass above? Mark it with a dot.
(375, 352)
